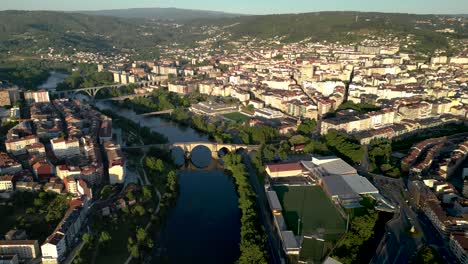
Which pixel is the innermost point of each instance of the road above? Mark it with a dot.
(274, 243)
(398, 245)
(74, 252)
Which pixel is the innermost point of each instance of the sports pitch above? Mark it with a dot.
(318, 216)
(320, 222)
(236, 116)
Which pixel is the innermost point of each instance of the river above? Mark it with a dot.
(54, 79)
(204, 225)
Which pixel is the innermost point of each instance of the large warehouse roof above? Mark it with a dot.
(334, 165)
(360, 184)
(337, 186)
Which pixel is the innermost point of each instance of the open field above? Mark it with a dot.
(236, 116)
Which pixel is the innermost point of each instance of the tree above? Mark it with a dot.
(106, 192)
(104, 236)
(307, 127)
(146, 191)
(140, 234)
(130, 196)
(269, 152)
(133, 248)
(139, 210)
(346, 147)
(154, 164)
(427, 255)
(298, 140)
(361, 230)
(172, 181)
(87, 238)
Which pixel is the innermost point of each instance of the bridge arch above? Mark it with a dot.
(84, 93)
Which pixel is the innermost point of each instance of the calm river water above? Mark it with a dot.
(54, 79)
(204, 226)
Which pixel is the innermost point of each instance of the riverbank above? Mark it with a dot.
(253, 237)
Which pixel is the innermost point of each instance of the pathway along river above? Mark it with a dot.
(204, 226)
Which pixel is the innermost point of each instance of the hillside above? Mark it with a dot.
(160, 13)
(42, 29)
(35, 31)
(328, 25)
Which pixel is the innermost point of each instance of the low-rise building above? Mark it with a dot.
(284, 169)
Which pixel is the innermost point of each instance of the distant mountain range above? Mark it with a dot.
(161, 13)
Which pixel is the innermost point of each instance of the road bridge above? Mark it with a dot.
(124, 97)
(92, 91)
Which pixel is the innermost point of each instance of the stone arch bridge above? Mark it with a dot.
(187, 147)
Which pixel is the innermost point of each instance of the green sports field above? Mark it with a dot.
(236, 116)
(317, 214)
(318, 219)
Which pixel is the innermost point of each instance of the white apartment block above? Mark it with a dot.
(54, 248)
(65, 148)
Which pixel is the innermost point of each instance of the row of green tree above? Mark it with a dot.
(86, 75)
(361, 230)
(160, 100)
(344, 146)
(29, 74)
(253, 238)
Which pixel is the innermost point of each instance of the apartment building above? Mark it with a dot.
(65, 148)
(8, 165)
(9, 259)
(25, 249)
(6, 183)
(54, 248)
(41, 96)
(117, 166)
(17, 146)
(4, 98)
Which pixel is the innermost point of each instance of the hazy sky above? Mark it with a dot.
(251, 6)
